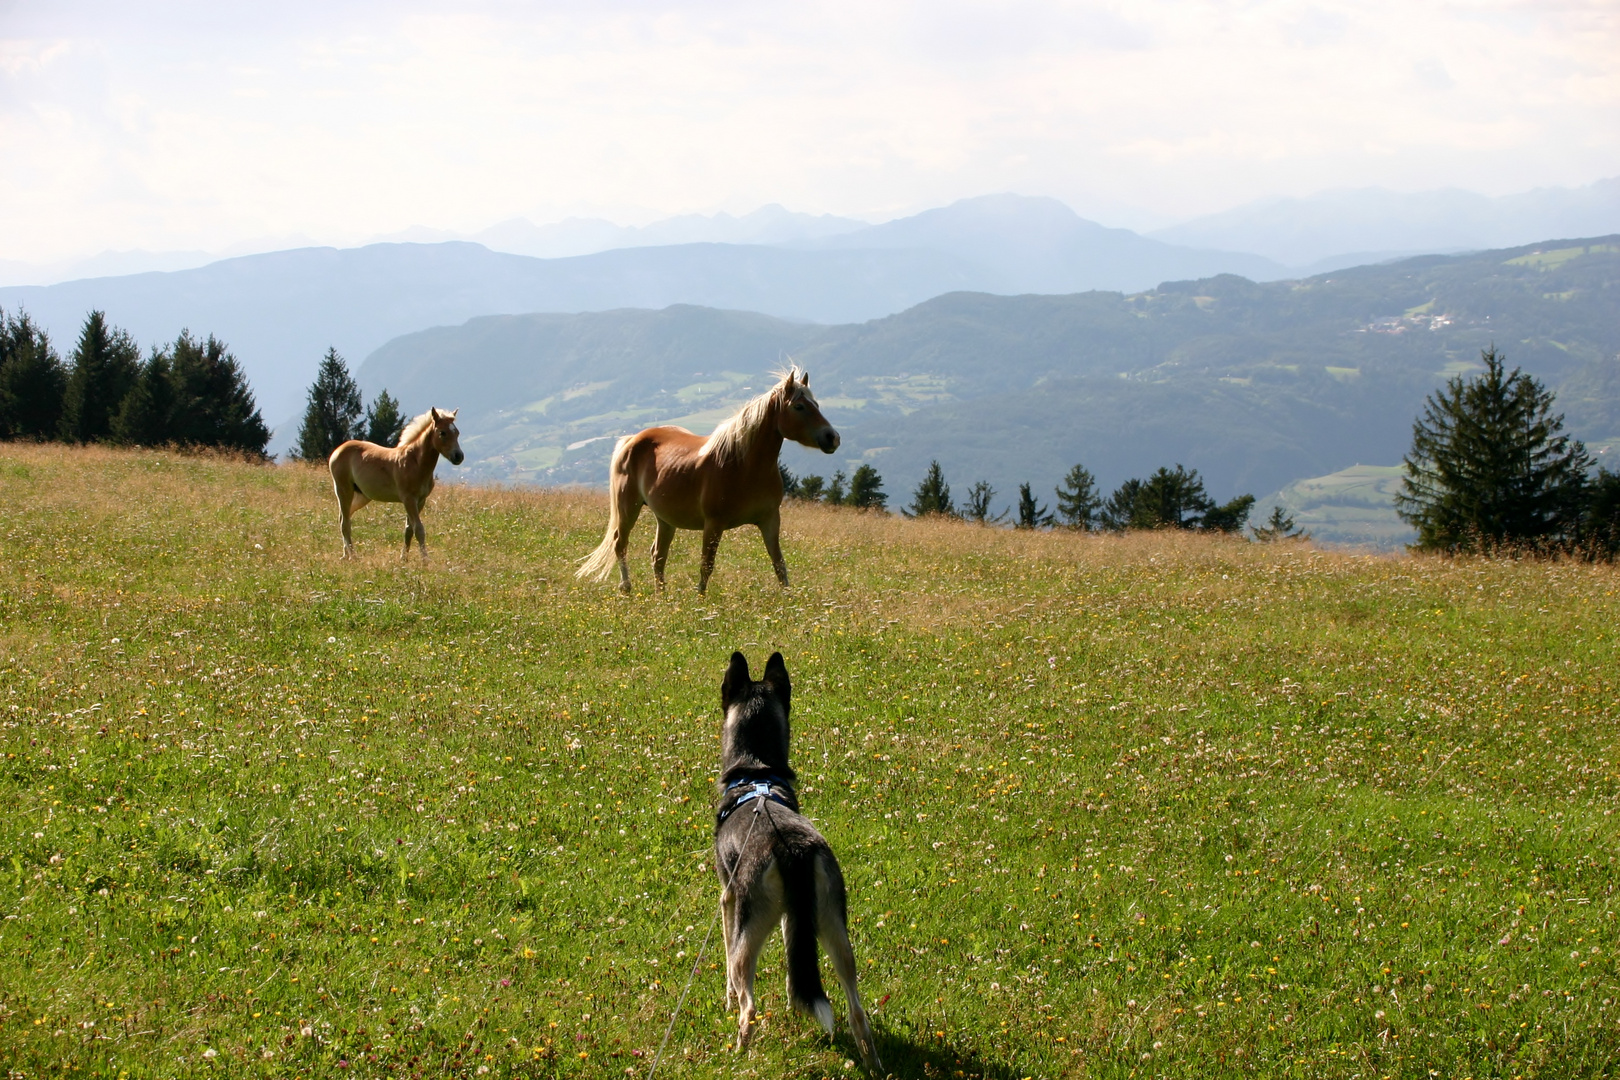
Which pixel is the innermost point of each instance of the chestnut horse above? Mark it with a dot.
(710, 484)
(364, 472)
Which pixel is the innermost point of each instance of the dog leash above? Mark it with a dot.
(731, 877)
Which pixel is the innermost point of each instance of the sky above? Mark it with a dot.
(170, 126)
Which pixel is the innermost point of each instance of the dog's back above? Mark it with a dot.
(774, 866)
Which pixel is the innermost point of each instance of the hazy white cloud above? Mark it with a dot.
(189, 125)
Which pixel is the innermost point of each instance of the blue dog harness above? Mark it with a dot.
(757, 789)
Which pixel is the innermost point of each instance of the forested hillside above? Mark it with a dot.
(1255, 385)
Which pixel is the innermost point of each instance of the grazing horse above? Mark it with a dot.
(364, 472)
(710, 484)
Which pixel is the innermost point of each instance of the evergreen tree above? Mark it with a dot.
(384, 422)
(212, 405)
(1077, 499)
(1172, 499)
(1119, 512)
(835, 489)
(32, 381)
(1489, 466)
(1227, 517)
(790, 483)
(933, 495)
(978, 504)
(811, 488)
(1031, 514)
(146, 416)
(1600, 525)
(1279, 526)
(866, 489)
(332, 416)
(106, 363)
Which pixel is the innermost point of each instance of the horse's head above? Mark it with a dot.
(799, 418)
(446, 436)
(756, 716)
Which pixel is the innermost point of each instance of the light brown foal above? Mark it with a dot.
(709, 484)
(364, 472)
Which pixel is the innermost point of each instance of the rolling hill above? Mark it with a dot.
(1256, 385)
(280, 311)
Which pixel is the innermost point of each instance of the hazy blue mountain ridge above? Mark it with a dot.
(1256, 385)
(1334, 226)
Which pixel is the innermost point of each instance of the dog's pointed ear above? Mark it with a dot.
(776, 673)
(736, 680)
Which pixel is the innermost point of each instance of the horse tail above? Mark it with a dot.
(599, 563)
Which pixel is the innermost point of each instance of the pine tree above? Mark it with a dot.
(790, 483)
(333, 413)
(1490, 468)
(866, 489)
(106, 363)
(1228, 517)
(932, 496)
(213, 404)
(1119, 512)
(978, 504)
(811, 488)
(1031, 514)
(835, 489)
(1172, 499)
(1600, 524)
(384, 422)
(1279, 526)
(32, 381)
(146, 416)
(1077, 499)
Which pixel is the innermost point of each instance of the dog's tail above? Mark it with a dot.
(803, 971)
(599, 563)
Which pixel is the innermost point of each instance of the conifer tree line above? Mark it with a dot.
(333, 414)
(1168, 499)
(187, 393)
(862, 489)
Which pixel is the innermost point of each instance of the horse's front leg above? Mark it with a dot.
(711, 545)
(412, 524)
(770, 530)
(660, 550)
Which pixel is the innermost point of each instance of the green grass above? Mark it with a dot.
(1159, 805)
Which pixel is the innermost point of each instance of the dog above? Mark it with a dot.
(772, 863)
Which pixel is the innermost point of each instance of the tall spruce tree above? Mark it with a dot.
(146, 416)
(213, 404)
(1173, 499)
(1078, 502)
(384, 422)
(1031, 514)
(1119, 512)
(106, 363)
(866, 489)
(32, 380)
(1490, 466)
(811, 488)
(1600, 524)
(932, 496)
(332, 416)
(835, 489)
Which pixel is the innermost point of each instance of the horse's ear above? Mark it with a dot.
(453, 413)
(804, 379)
(434, 411)
(736, 680)
(776, 674)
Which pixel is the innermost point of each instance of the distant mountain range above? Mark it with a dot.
(1255, 385)
(1347, 228)
(280, 311)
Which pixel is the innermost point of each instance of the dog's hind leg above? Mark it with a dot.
(728, 918)
(833, 930)
(748, 939)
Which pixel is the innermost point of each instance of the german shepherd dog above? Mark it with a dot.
(773, 864)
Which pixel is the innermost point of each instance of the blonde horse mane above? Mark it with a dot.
(732, 440)
(415, 429)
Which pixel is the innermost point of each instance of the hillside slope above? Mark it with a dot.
(1256, 385)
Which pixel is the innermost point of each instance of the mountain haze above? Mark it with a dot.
(1255, 385)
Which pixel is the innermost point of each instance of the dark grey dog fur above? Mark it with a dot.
(774, 866)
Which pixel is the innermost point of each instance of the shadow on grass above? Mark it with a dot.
(915, 1053)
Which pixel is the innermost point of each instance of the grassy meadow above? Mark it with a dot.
(1156, 805)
